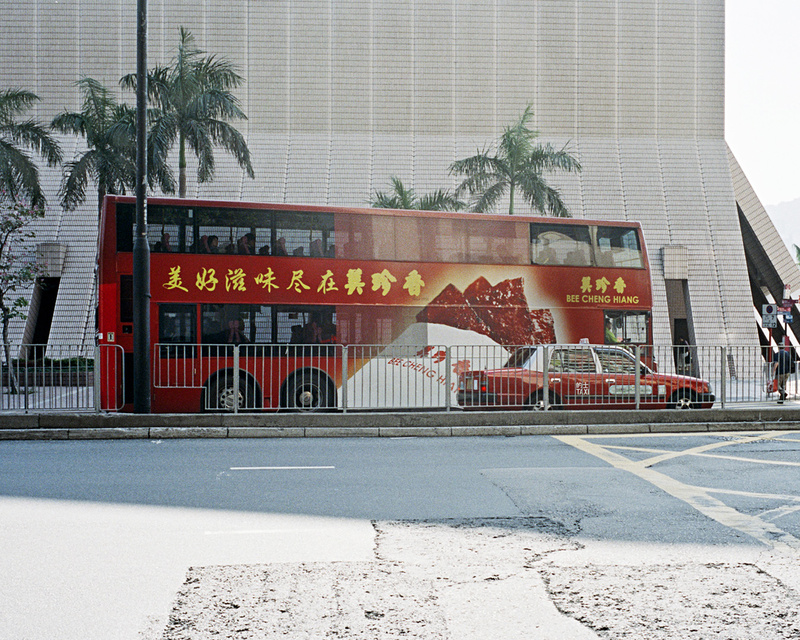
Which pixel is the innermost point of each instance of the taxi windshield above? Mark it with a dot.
(519, 357)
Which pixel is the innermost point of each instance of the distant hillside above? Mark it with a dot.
(786, 217)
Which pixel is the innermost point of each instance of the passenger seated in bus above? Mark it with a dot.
(605, 259)
(299, 252)
(297, 334)
(328, 333)
(312, 332)
(163, 246)
(213, 244)
(263, 251)
(546, 254)
(280, 247)
(577, 258)
(235, 333)
(331, 252)
(246, 245)
(316, 248)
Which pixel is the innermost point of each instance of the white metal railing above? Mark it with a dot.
(396, 377)
(62, 378)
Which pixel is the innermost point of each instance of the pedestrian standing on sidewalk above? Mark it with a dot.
(781, 368)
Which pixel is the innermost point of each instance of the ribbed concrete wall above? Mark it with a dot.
(342, 95)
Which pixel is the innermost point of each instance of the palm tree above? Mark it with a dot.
(194, 102)
(18, 173)
(402, 198)
(110, 161)
(110, 158)
(516, 163)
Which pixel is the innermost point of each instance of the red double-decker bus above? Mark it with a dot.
(253, 303)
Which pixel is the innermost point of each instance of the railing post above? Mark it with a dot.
(722, 377)
(448, 368)
(24, 377)
(96, 378)
(344, 378)
(637, 386)
(236, 378)
(546, 379)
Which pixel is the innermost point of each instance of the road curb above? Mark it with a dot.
(89, 426)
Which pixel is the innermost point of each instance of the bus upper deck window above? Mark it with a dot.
(560, 244)
(619, 247)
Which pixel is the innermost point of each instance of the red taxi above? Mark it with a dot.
(580, 377)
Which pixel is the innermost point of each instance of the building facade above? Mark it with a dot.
(342, 95)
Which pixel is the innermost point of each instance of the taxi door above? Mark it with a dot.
(573, 377)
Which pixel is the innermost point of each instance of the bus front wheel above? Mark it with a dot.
(309, 391)
(223, 394)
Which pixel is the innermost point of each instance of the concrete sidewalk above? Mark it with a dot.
(82, 426)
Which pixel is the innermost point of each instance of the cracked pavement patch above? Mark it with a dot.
(512, 578)
(712, 600)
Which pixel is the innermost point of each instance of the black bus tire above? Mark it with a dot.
(220, 393)
(309, 391)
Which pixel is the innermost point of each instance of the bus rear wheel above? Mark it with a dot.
(309, 391)
(224, 395)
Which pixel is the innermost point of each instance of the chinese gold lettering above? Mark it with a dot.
(267, 280)
(414, 283)
(383, 281)
(235, 280)
(174, 281)
(354, 282)
(297, 282)
(327, 283)
(206, 279)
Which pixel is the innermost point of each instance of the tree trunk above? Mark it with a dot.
(101, 194)
(181, 166)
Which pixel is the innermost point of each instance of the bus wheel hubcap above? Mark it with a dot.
(306, 399)
(229, 398)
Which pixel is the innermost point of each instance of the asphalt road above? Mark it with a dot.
(97, 536)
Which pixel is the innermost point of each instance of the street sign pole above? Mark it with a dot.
(141, 250)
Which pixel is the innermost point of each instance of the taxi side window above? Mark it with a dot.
(572, 361)
(613, 362)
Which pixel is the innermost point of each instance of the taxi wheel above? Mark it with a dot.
(683, 399)
(536, 401)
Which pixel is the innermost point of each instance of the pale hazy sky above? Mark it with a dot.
(762, 94)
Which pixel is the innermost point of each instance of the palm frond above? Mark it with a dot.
(517, 163)
(440, 200)
(486, 200)
(75, 178)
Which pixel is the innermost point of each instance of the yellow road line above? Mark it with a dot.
(765, 532)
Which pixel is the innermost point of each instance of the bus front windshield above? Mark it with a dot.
(627, 327)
